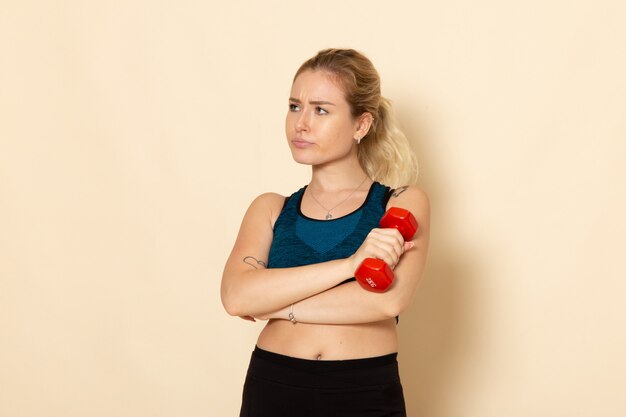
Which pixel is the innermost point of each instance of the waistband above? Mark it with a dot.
(349, 373)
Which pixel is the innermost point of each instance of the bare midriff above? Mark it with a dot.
(329, 342)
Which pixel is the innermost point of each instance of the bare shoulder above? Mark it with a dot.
(412, 198)
(256, 230)
(409, 194)
(268, 204)
(269, 199)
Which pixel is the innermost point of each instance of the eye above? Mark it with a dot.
(320, 110)
(293, 107)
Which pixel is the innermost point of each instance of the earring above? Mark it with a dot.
(358, 141)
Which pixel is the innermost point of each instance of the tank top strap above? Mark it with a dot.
(388, 193)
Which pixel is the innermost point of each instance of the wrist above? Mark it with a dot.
(291, 315)
(348, 268)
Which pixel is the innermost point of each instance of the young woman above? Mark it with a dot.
(330, 346)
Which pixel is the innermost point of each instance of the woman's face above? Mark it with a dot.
(319, 125)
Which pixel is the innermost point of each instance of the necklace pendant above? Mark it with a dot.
(329, 216)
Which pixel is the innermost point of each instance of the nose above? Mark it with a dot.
(302, 122)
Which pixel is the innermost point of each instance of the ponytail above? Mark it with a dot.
(385, 153)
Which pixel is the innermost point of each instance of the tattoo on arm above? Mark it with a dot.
(254, 262)
(400, 191)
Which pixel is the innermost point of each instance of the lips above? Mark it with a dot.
(301, 143)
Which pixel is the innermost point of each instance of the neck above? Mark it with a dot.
(338, 176)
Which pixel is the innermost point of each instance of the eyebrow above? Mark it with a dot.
(317, 102)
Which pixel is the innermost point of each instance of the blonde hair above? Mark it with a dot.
(384, 153)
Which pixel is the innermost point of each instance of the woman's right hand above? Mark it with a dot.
(386, 244)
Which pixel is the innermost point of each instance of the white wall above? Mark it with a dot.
(134, 134)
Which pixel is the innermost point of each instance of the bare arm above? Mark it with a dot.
(351, 304)
(248, 288)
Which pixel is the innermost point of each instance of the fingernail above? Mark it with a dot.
(411, 244)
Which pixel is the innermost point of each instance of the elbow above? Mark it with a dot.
(394, 306)
(236, 298)
(393, 310)
(232, 307)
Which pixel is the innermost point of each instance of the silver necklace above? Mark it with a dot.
(328, 215)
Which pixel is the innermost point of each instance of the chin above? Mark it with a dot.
(303, 156)
(302, 159)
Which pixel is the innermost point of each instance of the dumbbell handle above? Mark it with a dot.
(374, 274)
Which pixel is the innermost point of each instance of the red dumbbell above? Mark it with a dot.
(374, 274)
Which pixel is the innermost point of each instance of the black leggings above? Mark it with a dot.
(278, 385)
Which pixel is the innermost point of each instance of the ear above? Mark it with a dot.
(363, 125)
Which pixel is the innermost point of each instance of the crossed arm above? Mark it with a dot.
(250, 289)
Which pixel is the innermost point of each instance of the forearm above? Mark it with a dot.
(345, 304)
(257, 291)
(351, 304)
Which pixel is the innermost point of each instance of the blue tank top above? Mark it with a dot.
(300, 240)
